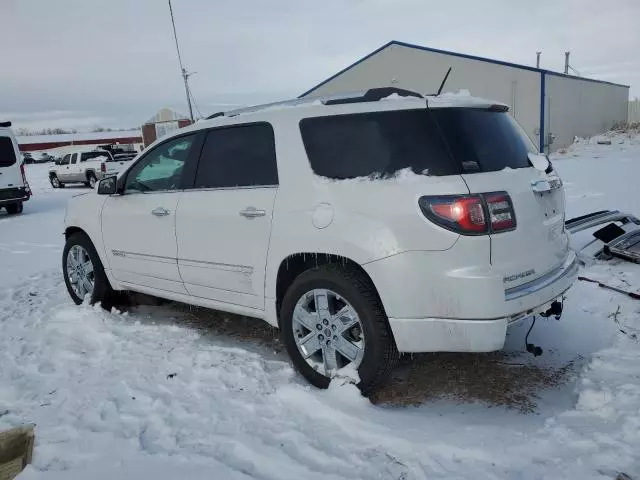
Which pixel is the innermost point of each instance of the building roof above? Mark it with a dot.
(456, 54)
(77, 137)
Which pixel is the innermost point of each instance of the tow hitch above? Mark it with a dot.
(555, 309)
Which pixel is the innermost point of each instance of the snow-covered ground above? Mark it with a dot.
(172, 392)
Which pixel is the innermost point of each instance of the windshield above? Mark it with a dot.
(433, 142)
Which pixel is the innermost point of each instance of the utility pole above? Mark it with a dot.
(183, 71)
(538, 59)
(566, 62)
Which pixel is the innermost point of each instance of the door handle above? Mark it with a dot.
(252, 212)
(160, 212)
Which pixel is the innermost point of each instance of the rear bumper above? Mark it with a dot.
(9, 196)
(436, 301)
(413, 335)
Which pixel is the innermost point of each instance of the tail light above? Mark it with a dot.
(24, 179)
(471, 214)
(501, 214)
(103, 167)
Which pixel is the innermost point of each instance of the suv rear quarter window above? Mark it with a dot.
(238, 156)
(7, 152)
(375, 144)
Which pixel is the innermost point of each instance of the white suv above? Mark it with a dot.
(361, 226)
(14, 189)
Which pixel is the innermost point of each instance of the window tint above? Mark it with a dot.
(65, 160)
(484, 140)
(7, 152)
(376, 144)
(93, 155)
(238, 157)
(436, 142)
(74, 158)
(161, 168)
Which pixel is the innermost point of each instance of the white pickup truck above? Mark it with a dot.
(86, 167)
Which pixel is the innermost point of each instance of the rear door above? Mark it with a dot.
(492, 151)
(223, 224)
(10, 176)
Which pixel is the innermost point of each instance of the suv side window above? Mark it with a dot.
(66, 159)
(161, 168)
(74, 158)
(239, 156)
(7, 153)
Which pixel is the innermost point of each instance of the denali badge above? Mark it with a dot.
(518, 276)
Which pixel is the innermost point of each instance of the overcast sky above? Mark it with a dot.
(83, 63)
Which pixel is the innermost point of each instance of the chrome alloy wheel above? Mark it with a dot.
(327, 331)
(80, 271)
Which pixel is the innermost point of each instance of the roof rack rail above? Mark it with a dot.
(370, 95)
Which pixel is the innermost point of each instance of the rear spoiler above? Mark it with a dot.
(5, 124)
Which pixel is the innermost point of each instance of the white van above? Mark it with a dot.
(14, 189)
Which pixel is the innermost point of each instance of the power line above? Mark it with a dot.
(183, 71)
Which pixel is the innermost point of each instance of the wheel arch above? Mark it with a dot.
(73, 229)
(295, 264)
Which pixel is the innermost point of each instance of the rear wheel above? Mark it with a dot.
(55, 182)
(332, 319)
(91, 180)
(14, 208)
(83, 272)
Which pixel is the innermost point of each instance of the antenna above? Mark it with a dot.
(538, 59)
(183, 71)
(444, 80)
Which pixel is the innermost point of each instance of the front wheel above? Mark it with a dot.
(332, 321)
(83, 272)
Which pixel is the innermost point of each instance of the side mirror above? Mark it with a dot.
(108, 186)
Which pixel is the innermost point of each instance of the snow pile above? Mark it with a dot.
(405, 175)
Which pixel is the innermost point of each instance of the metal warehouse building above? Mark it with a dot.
(552, 107)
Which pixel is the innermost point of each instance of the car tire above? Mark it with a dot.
(91, 180)
(101, 290)
(55, 182)
(353, 286)
(14, 208)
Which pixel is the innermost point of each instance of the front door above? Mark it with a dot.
(139, 226)
(65, 172)
(224, 222)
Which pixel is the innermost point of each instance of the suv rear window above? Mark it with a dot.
(484, 140)
(431, 142)
(7, 152)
